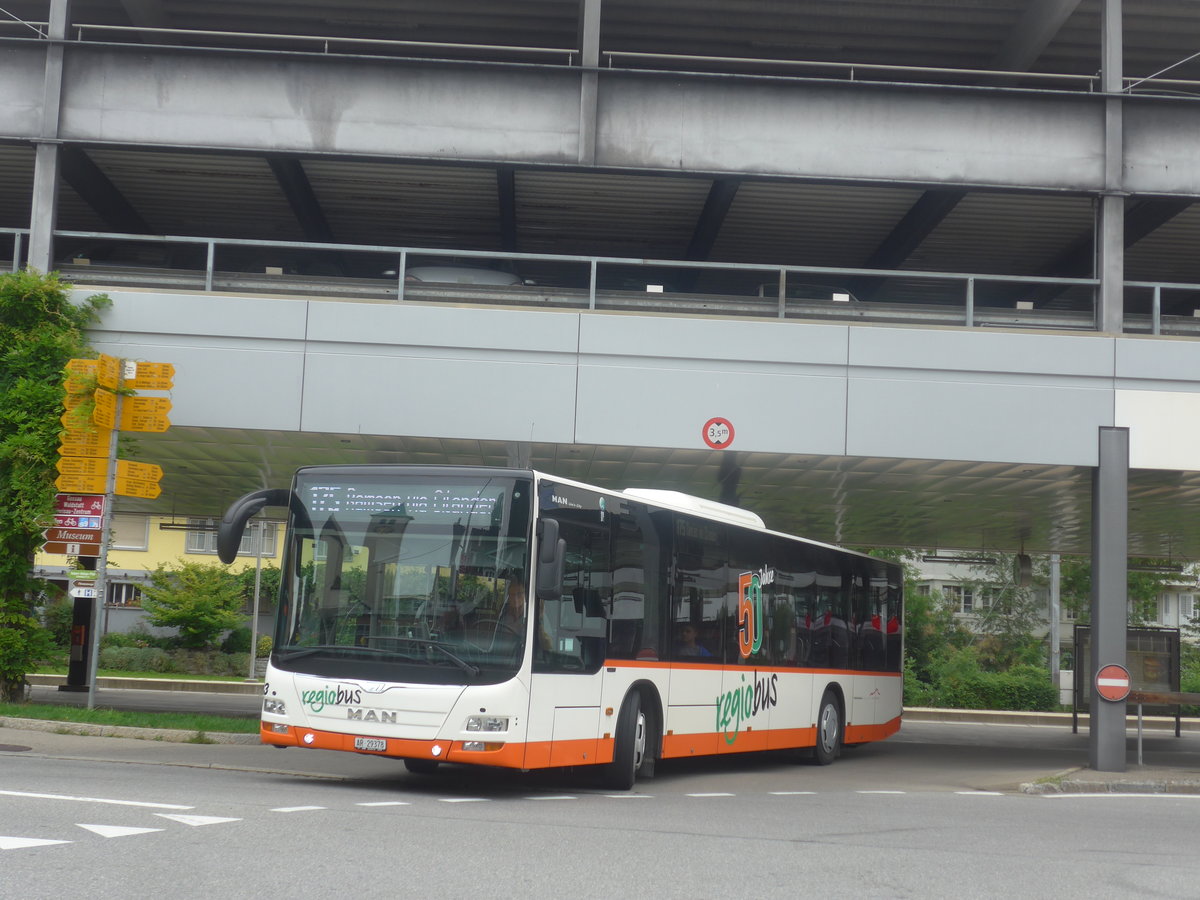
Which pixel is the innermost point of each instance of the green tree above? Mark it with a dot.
(1143, 588)
(40, 330)
(1008, 613)
(202, 600)
(268, 588)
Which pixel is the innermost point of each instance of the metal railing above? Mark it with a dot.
(600, 283)
(614, 59)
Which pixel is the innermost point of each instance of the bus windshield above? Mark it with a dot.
(405, 578)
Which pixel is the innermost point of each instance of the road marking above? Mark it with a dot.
(296, 808)
(790, 793)
(880, 792)
(714, 794)
(16, 843)
(385, 803)
(111, 831)
(196, 821)
(463, 800)
(1115, 795)
(979, 793)
(95, 800)
(629, 796)
(553, 797)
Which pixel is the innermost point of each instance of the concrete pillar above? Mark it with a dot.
(1110, 551)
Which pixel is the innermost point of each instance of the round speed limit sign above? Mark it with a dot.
(717, 433)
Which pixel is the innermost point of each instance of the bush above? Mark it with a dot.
(960, 683)
(237, 641)
(58, 617)
(136, 659)
(117, 639)
(265, 643)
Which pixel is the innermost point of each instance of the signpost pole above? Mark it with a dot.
(102, 561)
(258, 533)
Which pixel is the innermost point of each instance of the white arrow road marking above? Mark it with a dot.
(111, 831)
(295, 808)
(95, 800)
(16, 843)
(196, 820)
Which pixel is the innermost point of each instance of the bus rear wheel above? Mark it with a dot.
(829, 730)
(631, 750)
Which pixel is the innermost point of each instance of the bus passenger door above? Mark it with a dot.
(569, 635)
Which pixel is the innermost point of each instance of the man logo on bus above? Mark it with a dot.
(750, 610)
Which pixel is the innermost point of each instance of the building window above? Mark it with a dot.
(202, 537)
(1187, 608)
(130, 532)
(924, 590)
(123, 594)
(961, 598)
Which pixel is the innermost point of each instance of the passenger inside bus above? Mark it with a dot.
(685, 643)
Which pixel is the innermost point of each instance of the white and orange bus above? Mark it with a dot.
(506, 617)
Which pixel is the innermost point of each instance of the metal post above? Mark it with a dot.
(1055, 614)
(1110, 551)
(1156, 316)
(102, 561)
(400, 277)
(970, 317)
(589, 88)
(210, 265)
(592, 286)
(782, 293)
(257, 531)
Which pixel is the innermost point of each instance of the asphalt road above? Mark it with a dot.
(934, 812)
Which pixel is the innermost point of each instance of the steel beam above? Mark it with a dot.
(97, 191)
(43, 213)
(914, 226)
(718, 125)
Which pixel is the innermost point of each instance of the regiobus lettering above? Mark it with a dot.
(505, 617)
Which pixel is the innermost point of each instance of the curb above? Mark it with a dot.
(157, 684)
(168, 735)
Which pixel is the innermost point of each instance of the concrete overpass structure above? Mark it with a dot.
(935, 263)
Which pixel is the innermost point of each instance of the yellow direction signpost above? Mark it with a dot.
(151, 376)
(85, 443)
(83, 465)
(81, 484)
(136, 479)
(145, 414)
(88, 460)
(105, 413)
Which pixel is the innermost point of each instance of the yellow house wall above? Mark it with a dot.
(164, 547)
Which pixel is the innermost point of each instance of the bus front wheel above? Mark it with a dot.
(630, 745)
(829, 730)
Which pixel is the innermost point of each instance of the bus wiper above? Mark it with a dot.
(327, 648)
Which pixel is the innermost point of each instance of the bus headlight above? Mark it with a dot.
(275, 707)
(487, 723)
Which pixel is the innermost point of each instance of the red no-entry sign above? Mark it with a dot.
(1112, 683)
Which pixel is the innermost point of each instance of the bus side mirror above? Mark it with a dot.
(233, 523)
(552, 551)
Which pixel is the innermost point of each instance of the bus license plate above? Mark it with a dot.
(370, 744)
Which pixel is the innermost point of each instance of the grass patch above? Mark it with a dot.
(198, 722)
